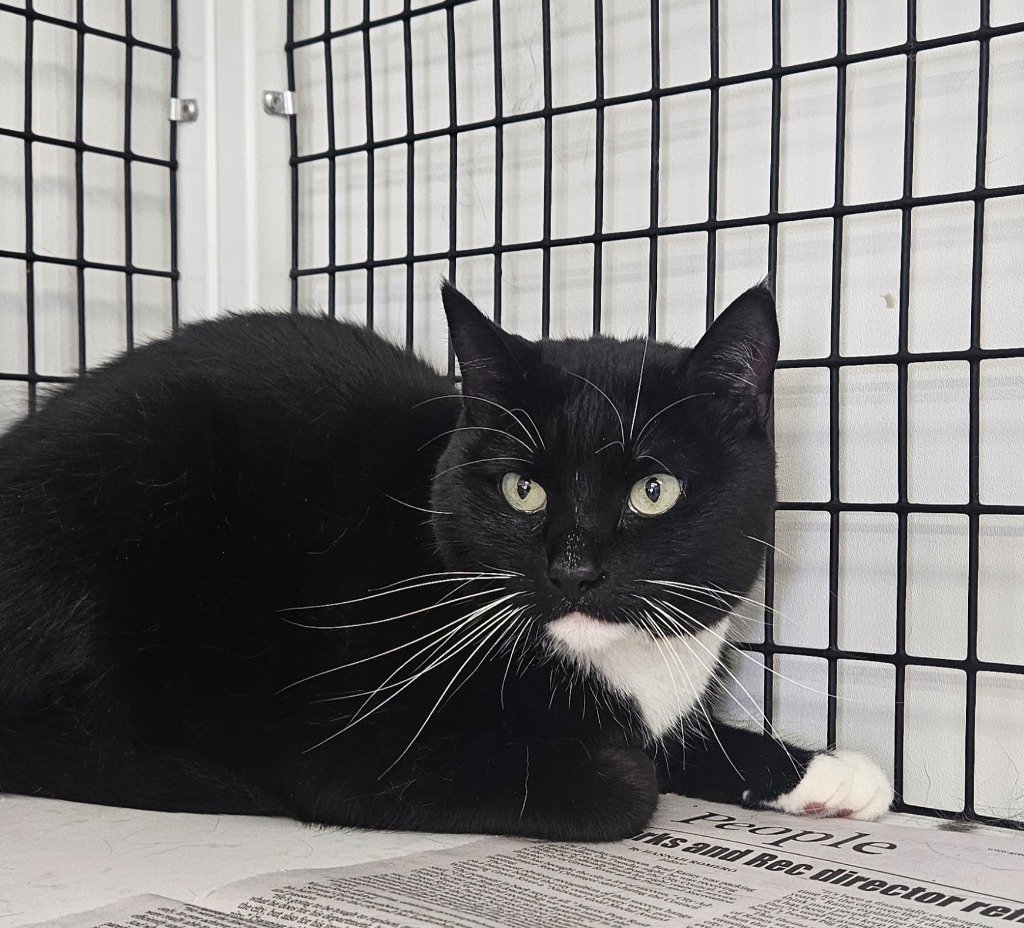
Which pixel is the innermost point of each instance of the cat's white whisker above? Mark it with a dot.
(639, 384)
(764, 720)
(745, 655)
(762, 666)
(406, 644)
(479, 428)
(718, 594)
(719, 603)
(440, 700)
(651, 457)
(688, 641)
(480, 399)
(730, 644)
(453, 574)
(335, 669)
(652, 629)
(359, 715)
(450, 593)
(540, 437)
(428, 660)
(432, 648)
(390, 618)
(702, 707)
(438, 655)
(478, 461)
(402, 502)
(618, 415)
(524, 624)
(665, 409)
(500, 637)
(526, 784)
(394, 588)
(768, 544)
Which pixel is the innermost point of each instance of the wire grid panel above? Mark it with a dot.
(613, 166)
(87, 181)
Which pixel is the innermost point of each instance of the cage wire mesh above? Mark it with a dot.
(88, 264)
(611, 166)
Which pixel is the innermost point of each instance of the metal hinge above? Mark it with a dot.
(279, 102)
(184, 109)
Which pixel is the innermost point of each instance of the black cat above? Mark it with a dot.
(276, 565)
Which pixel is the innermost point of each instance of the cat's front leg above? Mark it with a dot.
(558, 789)
(757, 770)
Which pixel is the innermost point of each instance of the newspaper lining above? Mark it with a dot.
(699, 864)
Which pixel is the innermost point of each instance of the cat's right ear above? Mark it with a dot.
(737, 355)
(493, 362)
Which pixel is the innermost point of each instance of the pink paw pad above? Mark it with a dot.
(819, 808)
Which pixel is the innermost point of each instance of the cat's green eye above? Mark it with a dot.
(654, 495)
(523, 494)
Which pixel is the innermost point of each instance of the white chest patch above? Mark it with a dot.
(664, 678)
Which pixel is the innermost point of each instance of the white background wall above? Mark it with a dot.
(234, 222)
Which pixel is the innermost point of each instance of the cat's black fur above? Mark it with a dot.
(165, 522)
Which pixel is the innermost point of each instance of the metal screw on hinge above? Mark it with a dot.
(279, 102)
(184, 110)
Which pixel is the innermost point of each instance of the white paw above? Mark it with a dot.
(844, 784)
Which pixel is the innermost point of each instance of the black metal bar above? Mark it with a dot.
(711, 225)
(293, 164)
(655, 190)
(975, 508)
(77, 146)
(598, 166)
(835, 350)
(29, 255)
(410, 181)
(499, 155)
(371, 201)
(776, 132)
(75, 262)
(332, 166)
(453, 163)
(80, 183)
(173, 172)
(880, 657)
(545, 286)
(368, 23)
(129, 283)
(964, 509)
(902, 372)
(768, 614)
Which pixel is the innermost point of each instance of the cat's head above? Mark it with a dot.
(620, 484)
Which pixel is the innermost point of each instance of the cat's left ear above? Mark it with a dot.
(493, 362)
(737, 355)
